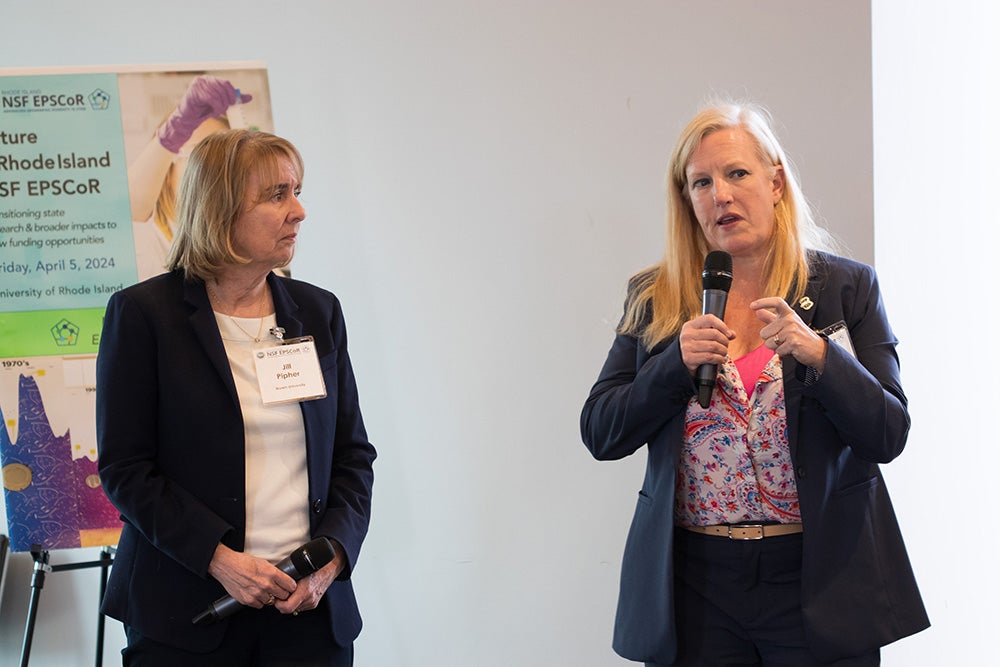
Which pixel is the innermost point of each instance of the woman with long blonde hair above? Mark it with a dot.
(763, 534)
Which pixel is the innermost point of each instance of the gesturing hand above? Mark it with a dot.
(786, 333)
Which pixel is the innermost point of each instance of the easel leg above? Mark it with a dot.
(38, 582)
(41, 559)
(105, 564)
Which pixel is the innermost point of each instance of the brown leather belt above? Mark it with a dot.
(747, 531)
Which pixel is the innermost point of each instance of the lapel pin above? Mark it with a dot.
(805, 303)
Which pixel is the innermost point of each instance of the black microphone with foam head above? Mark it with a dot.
(716, 279)
(302, 562)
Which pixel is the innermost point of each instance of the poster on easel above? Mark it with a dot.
(90, 159)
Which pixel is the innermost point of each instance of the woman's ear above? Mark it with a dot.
(777, 184)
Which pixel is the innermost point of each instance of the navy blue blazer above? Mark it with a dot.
(171, 452)
(858, 589)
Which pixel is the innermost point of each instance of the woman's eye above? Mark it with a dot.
(740, 173)
(699, 183)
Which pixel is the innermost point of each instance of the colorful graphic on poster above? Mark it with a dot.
(89, 166)
(49, 446)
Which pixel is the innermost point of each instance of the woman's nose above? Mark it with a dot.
(721, 194)
(298, 211)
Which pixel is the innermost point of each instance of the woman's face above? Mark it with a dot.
(733, 193)
(265, 232)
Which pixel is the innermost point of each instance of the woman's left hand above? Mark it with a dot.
(786, 333)
(309, 591)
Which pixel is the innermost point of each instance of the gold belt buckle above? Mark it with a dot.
(755, 531)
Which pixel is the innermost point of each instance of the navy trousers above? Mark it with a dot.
(738, 603)
(255, 638)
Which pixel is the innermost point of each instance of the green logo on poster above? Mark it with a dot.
(65, 333)
(99, 100)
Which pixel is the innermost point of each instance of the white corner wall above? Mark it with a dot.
(481, 179)
(936, 139)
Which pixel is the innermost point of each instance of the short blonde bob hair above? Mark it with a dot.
(663, 297)
(214, 192)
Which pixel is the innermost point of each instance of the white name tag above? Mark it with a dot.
(837, 333)
(289, 371)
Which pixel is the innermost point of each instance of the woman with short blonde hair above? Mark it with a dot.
(226, 468)
(209, 204)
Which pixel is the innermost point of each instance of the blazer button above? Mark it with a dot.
(801, 471)
(317, 506)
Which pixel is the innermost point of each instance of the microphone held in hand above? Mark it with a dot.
(300, 563)
(716, 279)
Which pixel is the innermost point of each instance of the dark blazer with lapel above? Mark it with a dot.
(858, 590)
(171, 452)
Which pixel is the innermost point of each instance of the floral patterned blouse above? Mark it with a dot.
(736, 466)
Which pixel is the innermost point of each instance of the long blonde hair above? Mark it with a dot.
(662, 297)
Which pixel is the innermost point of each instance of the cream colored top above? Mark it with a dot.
(277, 482)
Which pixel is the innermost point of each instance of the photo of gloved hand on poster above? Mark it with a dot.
(164, 115)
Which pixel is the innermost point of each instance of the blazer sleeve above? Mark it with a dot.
(636, 394)
(128, 408)
(863, 397)
(349, 497)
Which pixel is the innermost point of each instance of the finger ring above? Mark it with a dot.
(295, 613)
(270, 601)
(777, 342)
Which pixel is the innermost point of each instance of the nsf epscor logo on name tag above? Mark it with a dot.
(289, 371)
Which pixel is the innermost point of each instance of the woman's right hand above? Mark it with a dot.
(704, 340)
(251, 581)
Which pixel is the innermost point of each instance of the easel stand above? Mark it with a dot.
(41, 558)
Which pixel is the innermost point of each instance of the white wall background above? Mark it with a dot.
(481, 179)
(937, 140)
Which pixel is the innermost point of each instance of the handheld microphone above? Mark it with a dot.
(716, 279)
(300, 563)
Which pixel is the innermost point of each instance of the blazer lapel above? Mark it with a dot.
(206, 330)
(285, 308)
(805, 308)
(319, 441)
